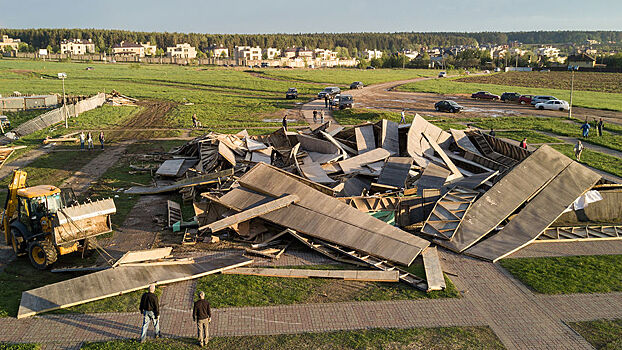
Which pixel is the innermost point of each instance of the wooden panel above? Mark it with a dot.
(445, 218)
(251, 213)
(416, 144)
(433, 177)
(455, 173)
(193, 181)
(365, 140)
(314, 172)
(433, 270)
(474, 181)
(389, 137)
(538, 214)
(580, 233)
(354, 164)
(120, 280)
(463, 141)
(253, 145)
(174, 212)
(313, 144)
(170, 167)
(395, 171)
(507, 195)
(348, 275)
(226, 153)
(144, 255)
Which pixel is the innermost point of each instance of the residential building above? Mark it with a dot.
(150, 50)
(371, 54)
(410, 54)
(548, 51)
(218, 51)
(181, 51)
(8, 44)
(129, 49)
(271, 53)
(289, 52)
(247, 53)
(581, 61)
(77, 46)
(325, 54)
(304, 52)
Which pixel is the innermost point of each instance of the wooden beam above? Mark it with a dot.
(433, 271)
(347, 275)
(143, 255)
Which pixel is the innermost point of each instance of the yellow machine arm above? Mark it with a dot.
(18, 181)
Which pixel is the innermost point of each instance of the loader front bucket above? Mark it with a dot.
(83, 221)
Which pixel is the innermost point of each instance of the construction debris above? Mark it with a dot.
(347, 275)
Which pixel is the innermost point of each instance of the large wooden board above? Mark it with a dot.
(144, 255)
(455, 172)
(416, 144)
(354, 164)
(314, 172)
(193, 181)
(170, 167)
(365, 140)
(348, 275)
(395, 171)
(433, 177)
(389, 137)
(538, 214)
(313, 144)
(116, 281)
(226, 152)
(246, 215)
(506, 196)
(433, 270)
(463, 142)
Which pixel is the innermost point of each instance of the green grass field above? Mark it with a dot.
(588, 99)
(566, 275)
(602, 334)
(410, 338)
(6, 346)
(343, 77)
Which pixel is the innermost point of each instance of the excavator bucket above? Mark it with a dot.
(83, 221)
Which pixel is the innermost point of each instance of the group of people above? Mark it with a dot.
(585, 127)
(315, 118)
(150, 309)
(88, 140)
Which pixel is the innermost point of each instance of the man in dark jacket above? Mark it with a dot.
(202, 315)
(150, 309)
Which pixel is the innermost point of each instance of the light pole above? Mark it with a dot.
(572, 68)
(62, 77)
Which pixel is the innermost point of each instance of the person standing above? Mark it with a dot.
(101, 139)
(315, 116)
(600, 125)
(89, 140)
(202, 315)
(403, 119)
(285, 122)
(578, 149)
(150, 308)
(523, 144)
(585, 129)
(195, 121)
(492, 132)
(322, 117)
(82, 139)
(326, 101)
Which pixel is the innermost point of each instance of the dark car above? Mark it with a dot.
(448, 106)
(484, 95)
(345, 101)
(371, 67)
(329, 91)
(525, 99)
(356, 85)
(291, 93)
(510, 97)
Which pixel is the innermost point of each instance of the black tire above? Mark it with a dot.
(42, 254)
(561, 109)
(16, 241)
(540, 108)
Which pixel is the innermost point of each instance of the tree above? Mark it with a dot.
(363, 63)
(201, 54)
(159, 52)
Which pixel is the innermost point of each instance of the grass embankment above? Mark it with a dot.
(588, 99)
(411, 338)
(343, 77)
(566, 275)
(239, 290)
(602, 334)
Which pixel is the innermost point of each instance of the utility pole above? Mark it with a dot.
(62, 77)
(572, 68)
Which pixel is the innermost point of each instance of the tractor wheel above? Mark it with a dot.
(42, 254)
(16, 241)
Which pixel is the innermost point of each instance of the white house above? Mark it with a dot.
(371, 54)
(77, 46)
(218, 51)
(129, 49)
(8, 44)
(181, 51)
(272, 53)
(150, 50)
(247, 53)
(325, 54)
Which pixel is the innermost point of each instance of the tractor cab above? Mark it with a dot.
(35, 207)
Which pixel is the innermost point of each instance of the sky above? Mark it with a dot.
(294, 16)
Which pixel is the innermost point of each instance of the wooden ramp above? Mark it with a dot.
(347, 275)
(433, 270)
(116, 281)
(538, 214)
(507, 195)
(580, 233)
(448, 212)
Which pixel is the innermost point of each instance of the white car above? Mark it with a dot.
(556, 105)
(442, 74)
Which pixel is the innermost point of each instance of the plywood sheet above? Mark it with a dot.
(314, 172)
(354, 164)
(395, 171)
(538, 214)
(416, 144)
(193, 181)
(313, 144)
(116, 281)
(365, 140)
(433, 271)
(433, 177)
(463, 142)
(170, 167)
(348, 275)
(507, 195)
(455, 172)
(253, 145)
(144, 255)
(226, 153)
(474, 181)
(389, 137)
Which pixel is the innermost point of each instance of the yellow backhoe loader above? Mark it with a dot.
(45, 222)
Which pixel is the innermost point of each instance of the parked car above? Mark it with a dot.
(510, 97)
(541, 98)
(291, 93)
(5, 121)
(497, 69)
(484, 95)
(89, 68)
(345, 101)
(265, 65)
(525, 99)
(442, 74)
(448, 106)
(556, 105)
(329, 91)
(356, 85)
(371, 67)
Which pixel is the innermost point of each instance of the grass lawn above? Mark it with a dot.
(103, 117)
(240, 290)
(531, 135)
(602, 334)
(18, 118)
(7, 346)
(588, 99)
(343, 77)
(597, 160)
(410, 338)
(566, 275)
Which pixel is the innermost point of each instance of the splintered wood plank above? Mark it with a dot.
(507, 195)
(433, 270)
(348, 275)
(365, 140)
(538, 214)
(250, 213)
(116, 281)
(193, 181)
